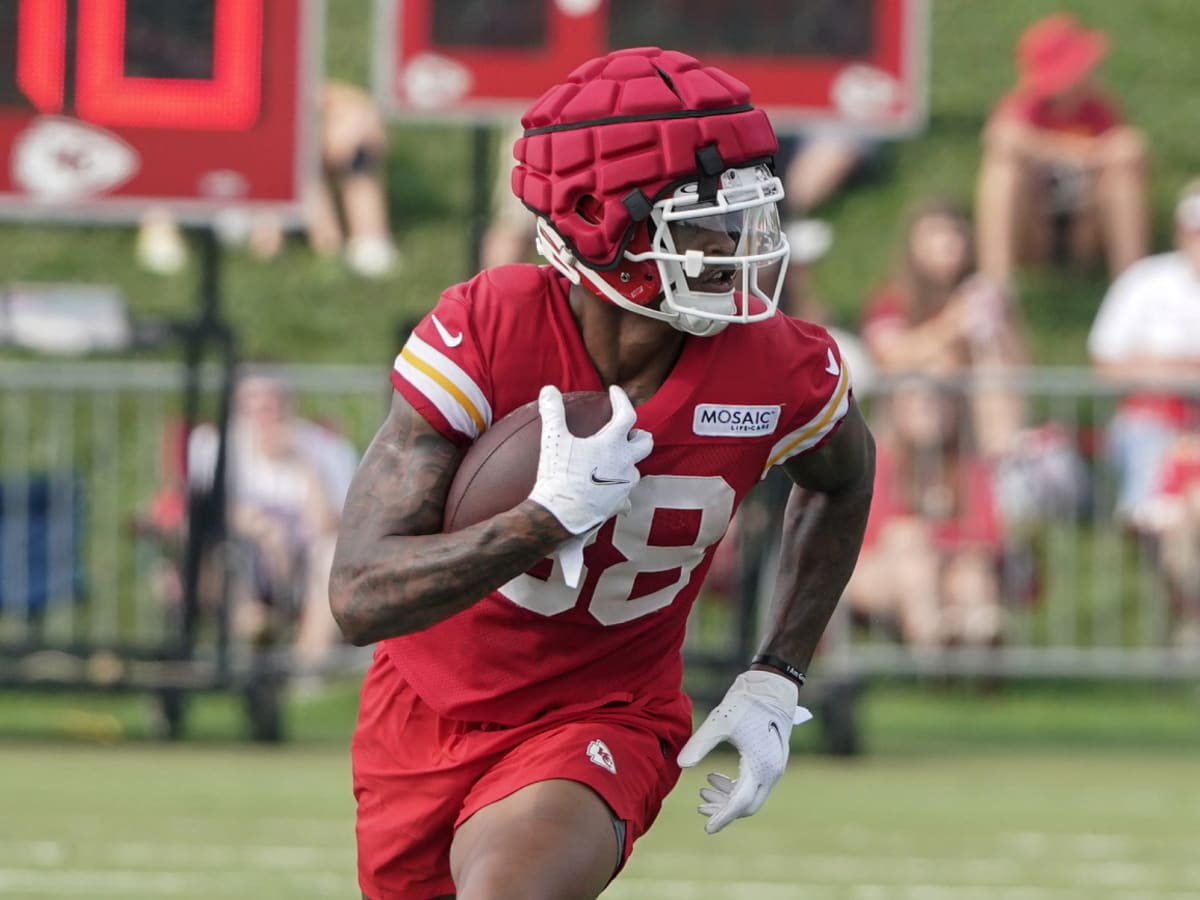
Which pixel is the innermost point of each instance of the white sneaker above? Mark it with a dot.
(810, 239)
(160, 247)
(371, 256)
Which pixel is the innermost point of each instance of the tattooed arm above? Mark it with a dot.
(393, 571)
(822, 533)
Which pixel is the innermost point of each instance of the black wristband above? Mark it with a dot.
(782, 665)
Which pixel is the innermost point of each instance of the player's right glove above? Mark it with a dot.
(584, 481)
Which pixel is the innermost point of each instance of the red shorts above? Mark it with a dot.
(418, 776)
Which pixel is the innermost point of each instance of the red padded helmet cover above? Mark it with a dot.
(632, 119)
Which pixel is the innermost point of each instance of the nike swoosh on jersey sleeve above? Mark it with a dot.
(815, 429)
(444, 383)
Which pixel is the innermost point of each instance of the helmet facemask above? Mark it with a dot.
(708, 251)
(711, 251)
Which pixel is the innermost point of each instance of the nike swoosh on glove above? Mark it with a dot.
(584, 481)
(756, 717)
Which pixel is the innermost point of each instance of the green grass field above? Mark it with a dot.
(1039, 793)
(192, 821)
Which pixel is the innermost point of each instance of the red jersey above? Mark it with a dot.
(734, 405)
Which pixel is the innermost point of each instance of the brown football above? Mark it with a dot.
(499, 469)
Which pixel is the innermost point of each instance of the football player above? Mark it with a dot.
(523, 717)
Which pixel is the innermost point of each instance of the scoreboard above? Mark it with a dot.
(856, 64)
(108, 107)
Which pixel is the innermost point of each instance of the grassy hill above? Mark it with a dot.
(299, 308)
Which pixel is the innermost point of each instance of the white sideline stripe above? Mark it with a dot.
(1017, 892)
(1084, 844)
(1080, 843)
(633, 888)
(128, 883)
(38, 853)
(982, 872)
(190, 856)
(259, 856)
(629, 888)
(319, 827)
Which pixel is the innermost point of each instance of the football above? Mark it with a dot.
(499, 469)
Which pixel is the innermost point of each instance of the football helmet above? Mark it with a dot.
(651, 176)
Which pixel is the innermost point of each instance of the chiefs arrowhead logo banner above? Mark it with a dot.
(59, 160)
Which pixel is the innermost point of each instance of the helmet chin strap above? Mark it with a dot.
(680, 296)
(552, 247)
(698, 326)
(701, 325)
(677, 319)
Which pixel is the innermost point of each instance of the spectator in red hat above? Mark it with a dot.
(1059, 159)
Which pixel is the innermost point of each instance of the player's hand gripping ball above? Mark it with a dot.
(500, 469)
(575, 455)
(585, 480)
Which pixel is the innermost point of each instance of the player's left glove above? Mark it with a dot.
(756, 716)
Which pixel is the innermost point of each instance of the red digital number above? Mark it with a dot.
(229, 101)
(42, 52)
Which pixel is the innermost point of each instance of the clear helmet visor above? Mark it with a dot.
(710, 252)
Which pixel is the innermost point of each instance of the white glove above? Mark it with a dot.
(585, 481)
(756, 716)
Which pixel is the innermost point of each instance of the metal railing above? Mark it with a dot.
(1081, 592)
(100, 441)
(86, 452)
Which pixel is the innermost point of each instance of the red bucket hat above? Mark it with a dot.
(1056, 53)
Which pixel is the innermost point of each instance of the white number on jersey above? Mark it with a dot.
(609, 602)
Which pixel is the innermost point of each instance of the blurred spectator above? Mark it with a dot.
(1062, 176)
(816, 165)
(353, 143)
(1148, 330)
(938, 316)
(810, 240)
(812, 167)
(750, 530)
(1176, 529)
(288, 478)
(931, 557)
(509, 235)
(346, 209)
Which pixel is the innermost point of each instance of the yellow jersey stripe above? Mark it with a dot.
(445, 384)
(816, 427)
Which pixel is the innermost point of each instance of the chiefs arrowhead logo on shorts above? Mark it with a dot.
(58, 160)
(599, 753)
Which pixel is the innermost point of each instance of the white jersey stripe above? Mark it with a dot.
(446, 386)
(814, 431)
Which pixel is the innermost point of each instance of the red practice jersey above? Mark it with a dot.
(734, 405)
